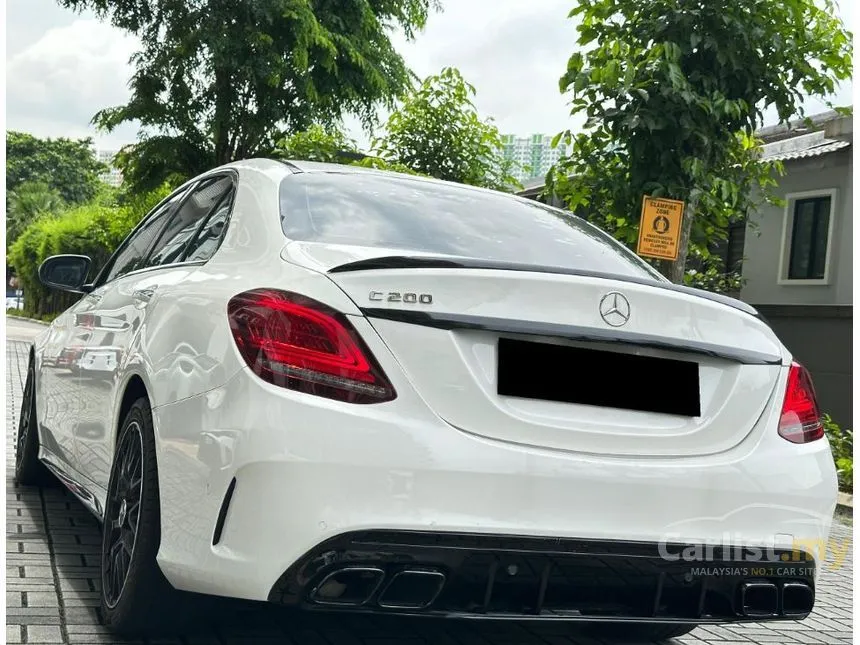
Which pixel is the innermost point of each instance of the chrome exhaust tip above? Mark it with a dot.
(412, 589)
(350, 586)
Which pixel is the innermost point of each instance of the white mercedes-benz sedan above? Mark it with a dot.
(342, 389)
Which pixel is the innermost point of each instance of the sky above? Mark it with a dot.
(62, 67)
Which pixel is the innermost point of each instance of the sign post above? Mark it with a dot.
(660, 228)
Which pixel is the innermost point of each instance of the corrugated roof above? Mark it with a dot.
(772, 133)
(825, 147)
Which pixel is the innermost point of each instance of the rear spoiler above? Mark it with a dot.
(441, 262)
(571, 332)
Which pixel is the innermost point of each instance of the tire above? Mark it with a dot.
(29, 471)
(629, 633)
(136, 597)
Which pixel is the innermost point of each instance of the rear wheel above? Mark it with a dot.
(135, 595)
(639, 632)
(29, 471)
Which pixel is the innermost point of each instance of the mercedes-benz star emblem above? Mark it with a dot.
(614, 309)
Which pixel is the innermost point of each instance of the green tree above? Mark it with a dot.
(319, 143)
(331, 145)
(437, 132)
(94, 229)
(673, 91)
(220, 80)
(27, 203)
(67, 166)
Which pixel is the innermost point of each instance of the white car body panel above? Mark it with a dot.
(455, 371)
(448, 453)
(373, 468)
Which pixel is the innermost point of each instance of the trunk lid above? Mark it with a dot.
(444, 327)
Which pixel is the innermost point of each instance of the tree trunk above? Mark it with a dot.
(676, 268)
(221, 121)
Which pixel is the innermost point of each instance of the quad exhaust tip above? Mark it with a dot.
(356, 586)
(350, 586)
(797, 599)
(791, 599)
(759, 599)
(412, 589)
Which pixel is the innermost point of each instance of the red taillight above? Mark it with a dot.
(301, 344)
(800, 421)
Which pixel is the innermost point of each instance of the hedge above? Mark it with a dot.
(92, 229)
(842, 447)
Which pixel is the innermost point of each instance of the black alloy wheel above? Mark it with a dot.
(122, 514)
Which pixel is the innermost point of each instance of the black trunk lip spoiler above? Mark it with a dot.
(451, 322)
(442, 262)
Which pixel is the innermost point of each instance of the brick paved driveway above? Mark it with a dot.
(52, 582)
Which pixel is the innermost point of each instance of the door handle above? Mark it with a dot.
(144, 295)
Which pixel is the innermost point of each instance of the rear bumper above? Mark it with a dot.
(309, 470)
(493, 576)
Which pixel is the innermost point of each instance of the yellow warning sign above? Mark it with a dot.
(660, 228)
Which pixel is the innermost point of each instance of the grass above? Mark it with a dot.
(20, 313)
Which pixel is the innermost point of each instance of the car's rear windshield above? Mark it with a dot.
(367, 209)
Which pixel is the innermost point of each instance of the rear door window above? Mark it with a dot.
(132, 254)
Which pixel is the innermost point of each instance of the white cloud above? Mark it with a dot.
(63, 67)
(513, 52)
(56, 84)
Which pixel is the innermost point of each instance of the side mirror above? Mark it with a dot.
(65, 272)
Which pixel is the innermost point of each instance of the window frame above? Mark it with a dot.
(188, 187)
(788, 223)
(199, 181)
(101, 278)
(230, 199)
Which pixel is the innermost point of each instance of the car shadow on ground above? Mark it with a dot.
(65, 540)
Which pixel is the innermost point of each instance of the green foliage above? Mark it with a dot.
(378, 163)
(332, 146)
(437, 132)
(318, 143)
(219, 80)
(715, 280)
(107, 195)
(92, 229)
(709, 273)
(21, 314)
(672, 92)
(67, 166)
(27, 203)
(842, 447)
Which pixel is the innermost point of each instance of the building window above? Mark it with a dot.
(808, 230)
(809, 239)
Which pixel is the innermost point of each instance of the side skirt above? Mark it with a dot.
(77, 484)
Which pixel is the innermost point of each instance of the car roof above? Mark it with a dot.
(301, 166)
(287, 167)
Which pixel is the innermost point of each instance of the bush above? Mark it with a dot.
(842, 447)
(715, 281)
(20, 314)
(94, 229)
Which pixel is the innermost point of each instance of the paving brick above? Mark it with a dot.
(44, 634)
(31, 571)
(42, 599)
(13, 634)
